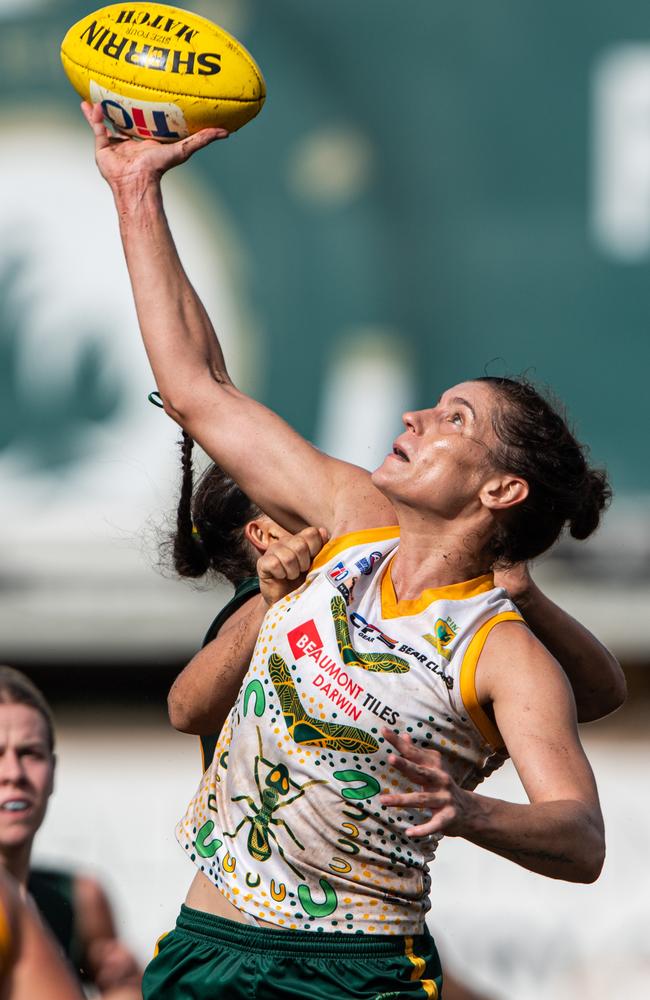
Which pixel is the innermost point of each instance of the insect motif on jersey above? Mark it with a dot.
(263, 816)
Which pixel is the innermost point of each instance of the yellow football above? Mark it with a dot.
(160, 72)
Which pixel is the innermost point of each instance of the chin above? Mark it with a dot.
(11, 840)
(380, 478)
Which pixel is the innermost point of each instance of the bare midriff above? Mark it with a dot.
(204, 895)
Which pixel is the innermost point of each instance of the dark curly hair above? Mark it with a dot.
(534, 441)
(210, 518)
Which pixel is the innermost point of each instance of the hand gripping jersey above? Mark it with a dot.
(287, 821)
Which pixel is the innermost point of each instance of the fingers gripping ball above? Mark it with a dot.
(160, 72)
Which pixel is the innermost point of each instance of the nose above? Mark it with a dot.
(417, 420)
(11, 768)
(411, 421)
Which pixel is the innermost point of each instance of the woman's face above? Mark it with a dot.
(26, 773)
(443, 459)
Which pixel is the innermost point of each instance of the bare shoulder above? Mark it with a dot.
(523, 687)
(514, 662)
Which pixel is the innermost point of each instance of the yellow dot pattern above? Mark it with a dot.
(283, 837)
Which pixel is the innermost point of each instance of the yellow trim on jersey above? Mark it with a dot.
(429, 986)
(336, 545)
(158, 943)
(391, 607)
(6, 939)
(468, 678)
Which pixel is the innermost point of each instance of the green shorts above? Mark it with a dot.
(209, 958)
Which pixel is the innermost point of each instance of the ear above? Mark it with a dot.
(504, 492)
(262, 532)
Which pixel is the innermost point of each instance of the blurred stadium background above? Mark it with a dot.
(433, 189)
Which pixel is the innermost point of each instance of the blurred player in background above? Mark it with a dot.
(75, 907)
(31, 966)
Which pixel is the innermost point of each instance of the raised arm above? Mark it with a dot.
(289, 478)
(594, 673)
(559, 833)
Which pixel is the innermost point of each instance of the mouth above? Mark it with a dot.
(15, 806)
(400, 454)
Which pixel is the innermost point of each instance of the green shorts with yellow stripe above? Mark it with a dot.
(209, 958)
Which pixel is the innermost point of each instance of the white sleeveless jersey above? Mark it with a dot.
(287, 821)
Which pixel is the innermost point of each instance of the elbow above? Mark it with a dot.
(591, 858)
(591, 866)
(616, 693)
(173, 408)
(605, 701)
(619, 690)
(185, 400)
(179, 407)
(180, 716)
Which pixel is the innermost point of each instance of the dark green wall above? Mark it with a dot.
(473, 238)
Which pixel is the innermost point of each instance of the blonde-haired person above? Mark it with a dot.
(74, 906)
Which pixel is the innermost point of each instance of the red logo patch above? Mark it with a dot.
(304, 639)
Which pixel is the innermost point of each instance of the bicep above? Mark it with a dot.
(290, 479)
(535, 713)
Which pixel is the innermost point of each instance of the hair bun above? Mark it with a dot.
(595, 496)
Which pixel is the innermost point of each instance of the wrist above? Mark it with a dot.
(136, 190)
(469, 815)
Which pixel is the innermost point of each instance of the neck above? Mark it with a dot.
(15, 860)
(437, 554)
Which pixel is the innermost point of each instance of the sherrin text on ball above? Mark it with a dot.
(160, 72)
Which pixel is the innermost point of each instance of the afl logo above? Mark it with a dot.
(338, 572)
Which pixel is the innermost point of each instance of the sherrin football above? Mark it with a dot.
(160, 72)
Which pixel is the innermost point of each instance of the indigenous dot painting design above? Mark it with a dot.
(287, 821)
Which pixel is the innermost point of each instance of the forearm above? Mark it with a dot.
(178, 336)
(203, 694)
(560, 839)
(595, 675)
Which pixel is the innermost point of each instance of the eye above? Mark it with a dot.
(457, 418)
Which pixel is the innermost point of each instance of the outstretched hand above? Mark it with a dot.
(121, 159)
(438, 792)
(284, 565)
